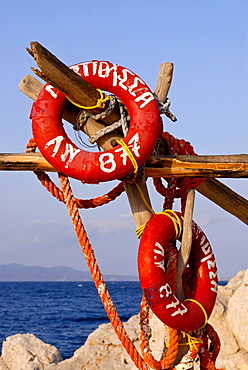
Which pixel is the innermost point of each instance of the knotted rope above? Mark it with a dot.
(84, 115)
(99, 104)
(164, 108)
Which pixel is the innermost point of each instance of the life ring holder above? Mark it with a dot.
(192, 313)
(93, 167)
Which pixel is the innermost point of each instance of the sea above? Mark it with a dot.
(62, 314)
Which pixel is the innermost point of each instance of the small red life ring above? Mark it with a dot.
(144, 130)
(192, 313)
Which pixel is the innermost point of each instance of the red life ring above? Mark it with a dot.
(144, 130)
(193, 313)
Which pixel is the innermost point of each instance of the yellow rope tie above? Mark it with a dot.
(99, 104)
(203, 310)
(139, 231)
(192, 341)
(175, 219)
(130, 154)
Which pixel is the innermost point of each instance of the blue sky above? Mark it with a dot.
(208, 43)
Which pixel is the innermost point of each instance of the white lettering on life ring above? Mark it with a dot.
(168, 292)
(69, 154)
(167, 289)
(159, 252)
(57, 142)
(105, 69)
(211, 263)
(122, 77)
(104, 163)
(134, 147)
(49, 88)
(146, 98)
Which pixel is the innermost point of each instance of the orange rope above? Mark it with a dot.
(209, 349)
(81, 203)
(97, 276)
(58, 194)
(169, 354)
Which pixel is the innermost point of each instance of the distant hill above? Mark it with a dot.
(17, 272)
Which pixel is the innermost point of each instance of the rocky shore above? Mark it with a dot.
(102, 350)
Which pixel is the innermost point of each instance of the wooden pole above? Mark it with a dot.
(184, 250)
(142, 210)
(82, 93)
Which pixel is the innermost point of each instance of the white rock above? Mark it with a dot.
(219, 321)
(235, 282)
(104, 351)
(2, 365)
(26, 352)
(237, 314)
(230, 320)
(237, 361)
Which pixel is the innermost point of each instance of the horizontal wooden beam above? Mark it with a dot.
(24, 162)
(213, 189)
(227, 166)
(198, 166)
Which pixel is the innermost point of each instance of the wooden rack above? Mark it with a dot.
(54, 72)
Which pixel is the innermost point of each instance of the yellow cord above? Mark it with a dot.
(130, 154)
(143, 198)
(139, 231)
(203, 310)
(192, 341)
(99, 104)
(176, 220)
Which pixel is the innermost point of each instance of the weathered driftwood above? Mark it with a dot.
(214, 190)
(66, 80)
(82, 93)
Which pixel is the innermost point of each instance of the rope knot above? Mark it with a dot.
(31, 146)
(164, 108)
(99, 104)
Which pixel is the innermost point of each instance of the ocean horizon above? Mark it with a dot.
(62, 314)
